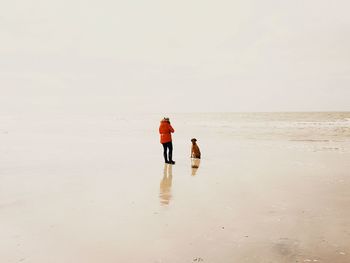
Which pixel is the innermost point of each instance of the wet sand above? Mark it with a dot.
(97, 190)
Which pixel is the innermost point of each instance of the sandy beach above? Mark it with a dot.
(91, 189)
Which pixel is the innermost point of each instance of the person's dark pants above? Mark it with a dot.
(168, 146)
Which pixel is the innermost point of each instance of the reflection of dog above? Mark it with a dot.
(195, 152)
(195, 165)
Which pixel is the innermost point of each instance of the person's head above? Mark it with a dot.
(193, 140)
(166, 119)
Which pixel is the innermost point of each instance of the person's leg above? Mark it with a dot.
(165, 147)
(171, 153)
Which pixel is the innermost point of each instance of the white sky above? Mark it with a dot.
(173, 56)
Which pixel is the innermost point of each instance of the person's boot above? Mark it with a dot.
(171, 157)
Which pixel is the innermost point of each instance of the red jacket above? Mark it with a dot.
(165, 131)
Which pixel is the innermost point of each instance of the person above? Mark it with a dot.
(165, 130)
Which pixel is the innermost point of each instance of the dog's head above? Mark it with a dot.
(193, 140)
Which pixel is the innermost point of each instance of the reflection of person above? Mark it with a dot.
(195, 162)
(165, 130)
(165, 185)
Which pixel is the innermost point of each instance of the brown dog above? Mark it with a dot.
(195, 152)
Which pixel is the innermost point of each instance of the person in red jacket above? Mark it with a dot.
(165, 130)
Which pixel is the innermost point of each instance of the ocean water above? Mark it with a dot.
(304, 126)
(310, 130)
(315, 131)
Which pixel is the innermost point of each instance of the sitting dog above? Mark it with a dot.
(195, 152)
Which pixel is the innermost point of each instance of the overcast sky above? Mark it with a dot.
(174, 56)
